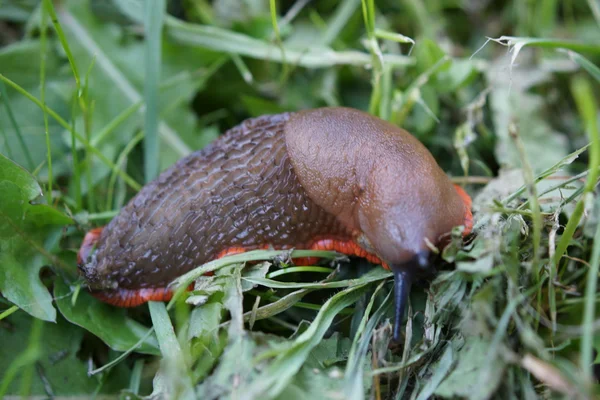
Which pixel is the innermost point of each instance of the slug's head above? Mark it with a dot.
(408, 207)
(86, 256)
(401, 228)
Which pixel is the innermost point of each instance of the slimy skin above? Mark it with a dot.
(330, 178)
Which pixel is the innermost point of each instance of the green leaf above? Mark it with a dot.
(116, 83)
(318, 378)
(512, 102)
(21, 63)
(428, 53)
(110, 324)
(207, 341)
(62, 366)
(254, 271)
(273, 379)
(16, 10)
(458, 75)
(439, 372)
(12, 172)
(27, 233)
(465, 380)
(236, 363)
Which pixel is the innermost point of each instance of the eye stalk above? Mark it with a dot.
(404, 274)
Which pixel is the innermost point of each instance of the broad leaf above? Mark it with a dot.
(110, 324)
(27, 233)
(62, 366)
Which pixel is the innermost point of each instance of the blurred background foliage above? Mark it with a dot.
(501, 92)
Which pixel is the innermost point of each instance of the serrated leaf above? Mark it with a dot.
(465, 380)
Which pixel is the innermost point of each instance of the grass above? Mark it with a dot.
(505, 96)
(153, 20)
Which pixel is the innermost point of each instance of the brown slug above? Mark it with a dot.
(329, 178)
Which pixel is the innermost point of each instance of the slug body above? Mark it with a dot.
(330, 178)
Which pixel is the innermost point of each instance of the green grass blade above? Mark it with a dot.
(285, 71)
(588, 107)
(339, 20)
(278, 306)
(136, 376)
(291, 270)
(49, 7)
(586, 64)
(8, 312)
(595, 7)
(243, 68)
(87, 108)
(375, 275)
(85, 38)
(516, 44)
(227, 41)
(276, 376)
(273, 12)
(418, 10)
(25, 360)
(368, 10)
(536, 216)
(120, 164)
(589, 313)
(112, 126)
(76, 165)
(182, 282)
(547, 11)
(130, 181)
(43, 56)
(153, 23)
(232, 42)
(353, 376)
(550, 171)
(123, 355)
(586, 103)
(394, 37)
(174, 365)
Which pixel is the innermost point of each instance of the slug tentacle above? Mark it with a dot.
(403, 278)
(404, 275)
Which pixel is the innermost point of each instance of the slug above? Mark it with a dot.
(328, 179)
